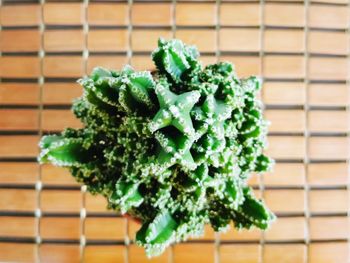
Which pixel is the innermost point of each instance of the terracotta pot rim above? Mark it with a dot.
(136, 220)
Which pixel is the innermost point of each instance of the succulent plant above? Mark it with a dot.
(172, 148)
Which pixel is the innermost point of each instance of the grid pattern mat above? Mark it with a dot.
(301, 49)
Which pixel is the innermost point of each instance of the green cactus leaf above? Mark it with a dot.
(100, 92)
(263, 163)
(173, 149)
(174, 58)
(126, 196)
(63, 151)
(100, 72)
(255, 211)
(159, 231)
(234, 193)
(48, 140)
(175, 110)
(140, 85)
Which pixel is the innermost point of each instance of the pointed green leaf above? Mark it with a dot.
(126, 195)
(140, 85)
(159, 231)
(47, 140)
(255, 210)
(263, 163)
(234, 193)
(64, 152)
(175, 64)
(174, 58)
(100, 72)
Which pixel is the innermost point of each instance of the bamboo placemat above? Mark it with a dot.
(300, 48)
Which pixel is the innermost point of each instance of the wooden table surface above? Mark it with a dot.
(301, 49)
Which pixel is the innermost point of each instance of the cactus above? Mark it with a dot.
(173, 149)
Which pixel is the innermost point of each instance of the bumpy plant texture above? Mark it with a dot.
(172, 148)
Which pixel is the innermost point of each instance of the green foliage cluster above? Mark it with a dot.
(172, 148)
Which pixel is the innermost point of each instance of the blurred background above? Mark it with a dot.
(300, 49)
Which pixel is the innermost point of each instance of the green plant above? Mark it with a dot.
(173, 148)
